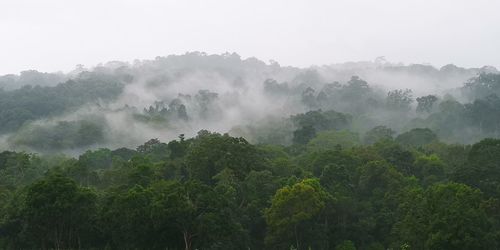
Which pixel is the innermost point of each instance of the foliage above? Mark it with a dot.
(215, 191)
(331, 139)
(378, 133)
(30, 103)
(417, 137)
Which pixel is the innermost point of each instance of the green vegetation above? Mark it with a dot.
(215, 191)
(313, 158)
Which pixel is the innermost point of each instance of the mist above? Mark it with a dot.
(230, 124)
(183, 94)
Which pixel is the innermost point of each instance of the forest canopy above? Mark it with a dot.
(214, 191)
(200, 151)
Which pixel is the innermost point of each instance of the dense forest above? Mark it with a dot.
(215, 191)
(205, 151)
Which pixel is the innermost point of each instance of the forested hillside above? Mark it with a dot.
(121, 104)
(202, 151)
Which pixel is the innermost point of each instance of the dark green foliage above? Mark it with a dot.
(154, 149)
(315, 121)
(378, 133)
(62, 135)
(19, 169)
(308, 181)
(297, 215)
(304, 135)
(220, 192)
(31, 103)
(331, 139)
(445, 216)
(211, 153)
(482, 169)
(161, 113)
(426, 103)
(322, 120)
(55, 214)
(123, 153)
(417, 137)
(179, 148)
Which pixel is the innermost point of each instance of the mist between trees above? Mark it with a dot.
(202, 151)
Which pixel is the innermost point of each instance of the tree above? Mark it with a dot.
(257, 189)
(481, 169)
(417, 137)
(178, 149)
(401, 158)
(271, 86)
(309, 98)
(328, 140)
(379, 187)
(483, 114)
(445, 216)
(202, 217)
(294, 214)
(399, 100)
(322, 120)
(207, 105)
(125, 219)
(355, 88)
(482, 85)
(426, 103)
(19, 169)
(345, 245)
(304, 135)
(57, 214)
(211, 153)
(429, 169)
(378, 133)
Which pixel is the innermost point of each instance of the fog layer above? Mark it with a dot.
(121, 104)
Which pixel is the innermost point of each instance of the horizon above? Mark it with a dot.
(57, 35)
(267, 62)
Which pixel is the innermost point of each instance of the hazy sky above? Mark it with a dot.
(51, 35)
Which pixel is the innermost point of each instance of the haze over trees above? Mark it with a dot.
(183, 94)
(201, 151)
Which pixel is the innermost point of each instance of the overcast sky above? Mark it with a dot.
(52, 35)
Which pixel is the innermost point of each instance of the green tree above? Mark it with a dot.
(378, 133)
(294, 217)
(57, 214)
(125, 219)
(303, 135)
(482, 168)
(445, 216)
(211, 153)
(328, 140)
(356, 88)
(345, 245)
(417, 137)
(429, 169)
(201, 217)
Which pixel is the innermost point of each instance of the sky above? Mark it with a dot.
(54, 35)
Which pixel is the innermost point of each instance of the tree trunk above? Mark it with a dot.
(297, 238)
(187, 240)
